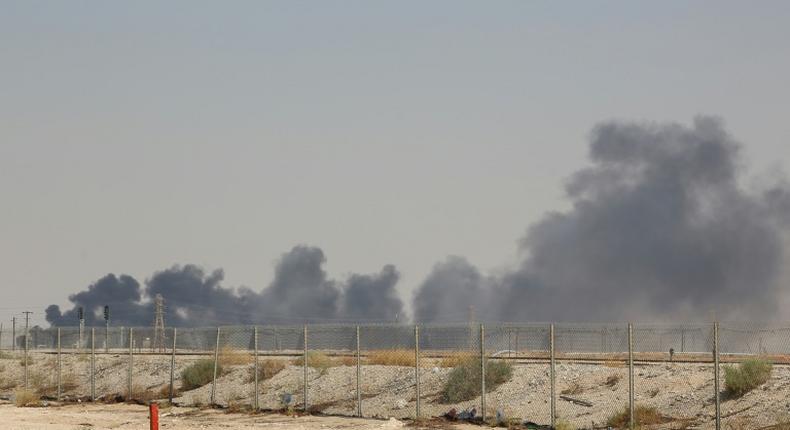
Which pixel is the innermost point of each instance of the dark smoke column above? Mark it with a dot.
(660, 226)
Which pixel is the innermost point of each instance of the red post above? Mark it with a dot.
(153, 414)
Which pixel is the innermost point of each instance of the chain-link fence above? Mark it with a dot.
(560, 375)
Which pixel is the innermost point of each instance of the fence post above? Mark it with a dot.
(93, 364)
(255, 347)
(630, 376)
(304, 368)
(359, 377)
(214, 377)
(552, 376)
(172, 365)
(417, 369)
(131, 364)
(57, 396)
(716, 373)
(26, 347)
(483, 373)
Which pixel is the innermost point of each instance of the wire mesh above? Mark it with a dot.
(388, 379)
(591, 373)
(673, 369)
(517, 373)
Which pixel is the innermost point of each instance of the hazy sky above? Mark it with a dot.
(136, 135)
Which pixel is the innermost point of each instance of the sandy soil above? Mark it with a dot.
(681, 391)
(122, 416)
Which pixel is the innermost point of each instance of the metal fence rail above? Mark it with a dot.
(585, 375)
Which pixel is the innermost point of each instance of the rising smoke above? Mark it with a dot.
(660, 226)
(300, 292)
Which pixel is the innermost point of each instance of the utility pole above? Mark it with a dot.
(27, 327)
(106, 328)
(159, 324)
(81, 316)
(13, 334)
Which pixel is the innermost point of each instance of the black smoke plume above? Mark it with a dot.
(300, 292)
(659, 227)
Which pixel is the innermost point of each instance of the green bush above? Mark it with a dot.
(747, 376)
(464, 380)
(198, 374)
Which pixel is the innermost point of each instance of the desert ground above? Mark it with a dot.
(124, 416)
(681, 392)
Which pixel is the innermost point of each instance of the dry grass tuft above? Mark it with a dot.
(392, 357)
(573, 389)
(266, 370)
(317, 360)
(24, 398)
(232, 357)
(148, 394)
(347, 361)
(612, 380)
(456, 359)
(562, 424)
(164, 392)
(643, 416)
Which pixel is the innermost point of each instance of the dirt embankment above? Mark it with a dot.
(682, 392)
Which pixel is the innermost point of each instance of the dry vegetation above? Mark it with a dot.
(317, 360)
(456, 359)
(266, 370)
(24, 398)
(573, 389)
(392, 357)
(643, 416)
(232, 357)
(612, 380)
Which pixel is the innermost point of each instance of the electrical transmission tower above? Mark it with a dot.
(159, 324)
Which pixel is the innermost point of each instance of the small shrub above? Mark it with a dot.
(266, 370)
(164, 392)
(24, 397)
(231, 357)
(562, 424)
(392, 357)
(198, 374)
(316, 360)
(643, 416)
(747, 376)
(145, 394)
(464, 380)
